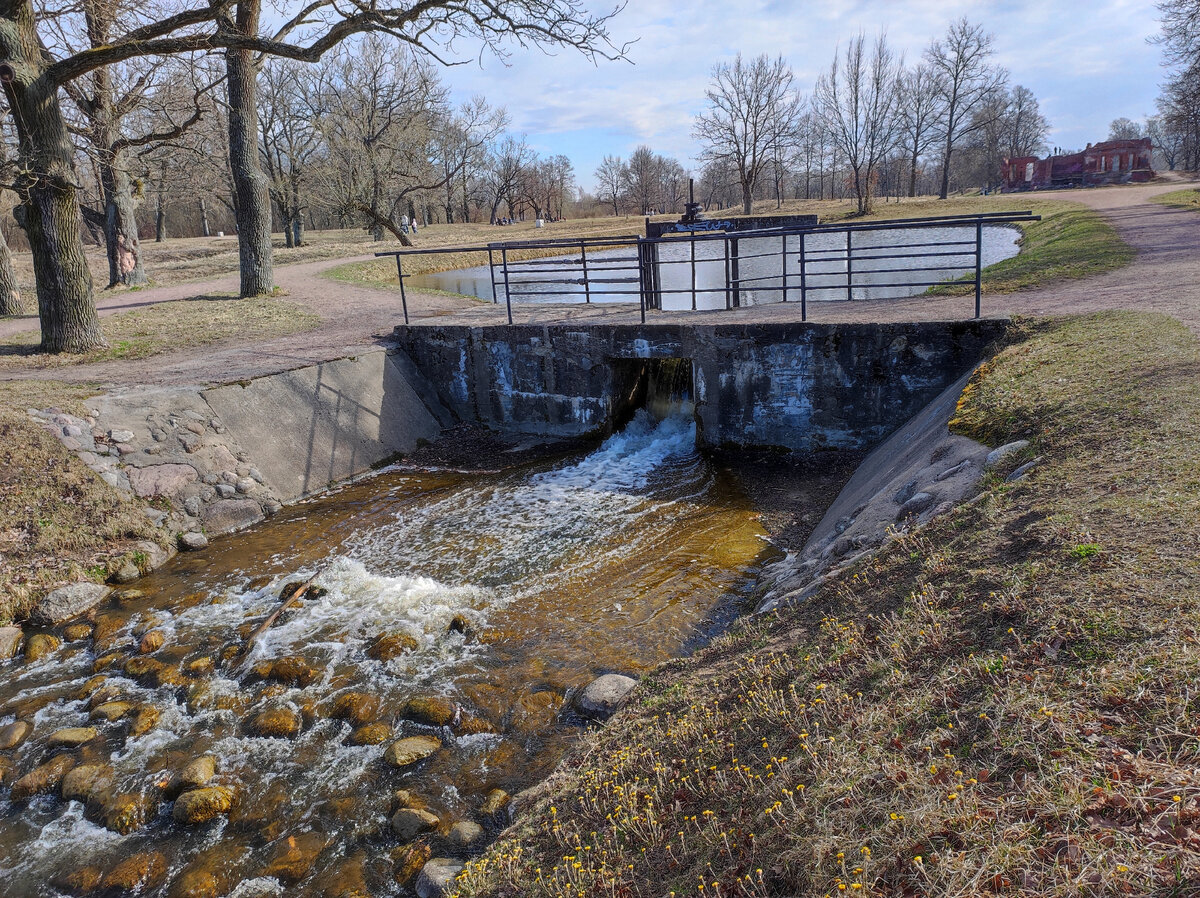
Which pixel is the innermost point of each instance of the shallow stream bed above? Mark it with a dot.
(463, 607)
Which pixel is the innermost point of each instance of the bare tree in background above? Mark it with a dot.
(10, 291)
(752, 108)
(967, 80)
(920, 110)
(32, 77)
(857, 100)
(291, 141)
(610, 182)
(1124, 129)
(1025, 128)
(460, 148)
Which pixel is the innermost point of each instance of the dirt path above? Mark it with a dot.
(1162, 278)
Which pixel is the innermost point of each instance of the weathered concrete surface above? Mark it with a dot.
(795, 386)
(920, 471)
(315, 426)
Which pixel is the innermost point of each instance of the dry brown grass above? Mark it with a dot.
(59, 522)
(1003, 703)
(169, 326)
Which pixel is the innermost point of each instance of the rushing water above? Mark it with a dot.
(612, 561)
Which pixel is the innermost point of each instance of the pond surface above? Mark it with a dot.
(496, 595)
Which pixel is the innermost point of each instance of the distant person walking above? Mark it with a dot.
(404, 224)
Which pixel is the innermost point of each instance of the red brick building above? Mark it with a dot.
(1110, 162)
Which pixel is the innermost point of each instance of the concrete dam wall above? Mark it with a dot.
(792, 386)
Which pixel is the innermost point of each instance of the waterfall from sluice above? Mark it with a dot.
(460, 608)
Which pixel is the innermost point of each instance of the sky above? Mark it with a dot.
(1087, 63)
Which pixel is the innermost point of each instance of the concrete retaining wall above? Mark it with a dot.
(794, 386)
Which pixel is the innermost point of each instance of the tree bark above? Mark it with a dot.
(204, 229)
(160, 222)
(747, 198)
(253, 206)
(10, 293)
(120, 225)
(46, 188)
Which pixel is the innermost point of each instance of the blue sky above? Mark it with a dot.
(1088, 63)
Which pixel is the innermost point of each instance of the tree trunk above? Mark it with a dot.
(10, 293)
(204, 229)
(945, 191)
(253, 205)
(120, 226)
(45, 186)
(747, 198)
(160, 222)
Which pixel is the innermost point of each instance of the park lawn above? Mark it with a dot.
(169, 326)
(1180, 199)
(1002, 702)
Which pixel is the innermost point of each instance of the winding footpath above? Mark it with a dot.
(1165, 277)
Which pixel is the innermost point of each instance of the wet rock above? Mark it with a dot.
(459, 624)
(104, 662)
(275, 723)
(39, 645)
(408, 823)
(79, 883)
(470, 725)
(10, 642)
(72, 737)
(293, 671)
(212, 873)
(999, 454)
(312, 592)
(142, 669)
(91, 686)
(533, 712)
(203, 804)
(357, 708)
(603, 696)
(404, 798)
(122, 812)
(85, 781)
(198, 772)
(199, 667)
(495, 803)
(409, 860)
(144, 721)
(138, 874)
(152, 642)
(126, 573)
(44, 778)
(437, 877)
(112, 711)
(12, 735)
(226, 515)
(392, 645)
(465, 834)
(107, 630)
(109, 692)
(371, 734)
(67, 602)
(161, 480)
(76, 632)
(431, 711)
(405, 752)
(7, 770)
(294, 856)
(193, 541)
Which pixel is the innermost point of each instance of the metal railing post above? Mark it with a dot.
(978, 266)
(403, 297)
(728, 285)
(492, 275)
(587, 287)
(641, 254)
(783, 261)
(692, 244)
(507, 294)
(803, 283)
(849, 265)
(736, 271)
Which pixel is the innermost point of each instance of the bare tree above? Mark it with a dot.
(1124, 129)
(857, 101)
(291, 141)
(1180, 33)
(611, 175)
(967, 80)
(1025, 128)
(32, 76)
(459, 149)
(920, 110)
(753, 108)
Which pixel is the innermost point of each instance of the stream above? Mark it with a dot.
(464, 607)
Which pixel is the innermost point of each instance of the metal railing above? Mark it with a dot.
(825, 260)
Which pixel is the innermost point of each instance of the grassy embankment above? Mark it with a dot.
(1182, 199)
(1002, 703)
(1070, 242)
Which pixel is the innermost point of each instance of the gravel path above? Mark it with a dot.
(1163, 277)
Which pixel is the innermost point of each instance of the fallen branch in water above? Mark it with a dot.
(288, 601)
